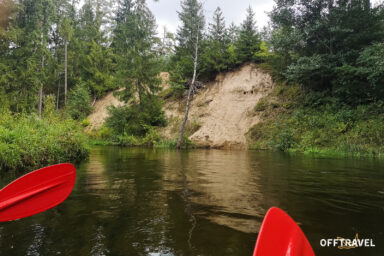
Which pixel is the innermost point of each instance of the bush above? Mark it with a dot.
(86, 122)
(79, 102)
(150, 139)
(285, 140)
(261, 105)
(136, 120)
(28, 142)
(321, 124)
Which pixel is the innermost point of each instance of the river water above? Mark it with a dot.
(202, 202)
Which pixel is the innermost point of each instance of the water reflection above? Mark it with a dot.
(224, 188)
(203, 202)
(34, 248)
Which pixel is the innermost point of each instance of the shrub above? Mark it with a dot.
(86, 122)
(261, 105)
(79, 102)
(331, 128)
(28, 142)
(138, 119)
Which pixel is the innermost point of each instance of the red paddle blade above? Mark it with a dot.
(36, 191)
(280, 236)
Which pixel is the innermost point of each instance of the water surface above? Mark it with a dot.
(202, 202)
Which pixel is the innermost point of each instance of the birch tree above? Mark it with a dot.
(189, 36)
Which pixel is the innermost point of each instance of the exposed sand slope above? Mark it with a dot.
(225, 108)
(100, 113)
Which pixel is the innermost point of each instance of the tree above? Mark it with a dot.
(167, 43)
(233, 33)
(79, 102)
(214, 59)
(25, 53)
(248, 43)
(67, 35)
(217, 30)
(321, 42)
(189, 35)
(133, 42)
(193, 22)
(95, 59)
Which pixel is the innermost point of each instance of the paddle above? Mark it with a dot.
(280, 236)
(36, 191)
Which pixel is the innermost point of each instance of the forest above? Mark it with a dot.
(57, 57)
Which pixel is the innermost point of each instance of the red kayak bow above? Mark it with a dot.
(280, 236)
(36, 191)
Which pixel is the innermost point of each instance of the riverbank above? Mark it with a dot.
(28, 142)
(248, 109)
(152, 140)
(297, 121)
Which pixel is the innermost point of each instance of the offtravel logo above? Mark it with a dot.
(345, 243)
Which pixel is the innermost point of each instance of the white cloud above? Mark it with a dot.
(165, 11)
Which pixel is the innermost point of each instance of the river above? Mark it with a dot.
(131, 201)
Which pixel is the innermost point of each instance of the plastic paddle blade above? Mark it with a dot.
(280, 236)
(36, 191)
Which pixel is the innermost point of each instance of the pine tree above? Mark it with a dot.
(95, 59)
(233, 33)
(217, 30)
(134, 39)
(193, 23)
(192, 27)
(248, 43)
(215, 55)
(167, 43)
(25, 61)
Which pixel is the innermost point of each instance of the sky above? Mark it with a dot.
(165, 11)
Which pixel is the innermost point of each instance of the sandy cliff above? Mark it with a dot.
(223, 111)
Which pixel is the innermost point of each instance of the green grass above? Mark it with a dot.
(105, 137)
(28, 142)
(321, 125)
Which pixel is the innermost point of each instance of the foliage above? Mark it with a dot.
(32, 50)
(263, 54)
(85, 122)
(331, 46)
(79, 102)
(214, 57)
(248, 43)
(137, 119)
(192, 27)
(322, 124)
(27, 142)
(363, 82)
(261, 105)
(133, 42)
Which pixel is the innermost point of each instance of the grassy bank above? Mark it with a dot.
(153, 139)
(27, 142)
(315, 123)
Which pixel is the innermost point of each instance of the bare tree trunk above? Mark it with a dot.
(41, 89)
(94, 100)
(40, 100)
(190, 93)
(58, 96)
(65, 73)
